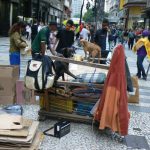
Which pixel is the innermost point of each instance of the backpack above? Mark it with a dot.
(39, 75)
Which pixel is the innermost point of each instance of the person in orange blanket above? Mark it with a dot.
(112, 110)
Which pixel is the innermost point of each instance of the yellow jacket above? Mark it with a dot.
(142, 42)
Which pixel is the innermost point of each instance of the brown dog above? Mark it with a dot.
(93, 49)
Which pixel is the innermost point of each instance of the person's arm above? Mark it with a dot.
(73, 38)
(43, 40)
(19, 43)
(43, 47)
(96, 37)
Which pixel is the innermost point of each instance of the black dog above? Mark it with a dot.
(63, 67)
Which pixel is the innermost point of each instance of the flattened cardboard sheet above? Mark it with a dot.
(22, 140)
(33, 146)
(136, 142)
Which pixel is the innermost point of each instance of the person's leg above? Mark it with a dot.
(129, 44)
(138, 67)
(141, 67)
(14, 59)
(132, 43)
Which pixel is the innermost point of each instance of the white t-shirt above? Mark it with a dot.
(84, 33)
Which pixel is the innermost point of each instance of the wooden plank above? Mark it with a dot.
(46, 100)
(96, 65)
(80, 99)
(79, 84)
(68, 116)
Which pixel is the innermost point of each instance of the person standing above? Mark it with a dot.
(142, 48)
(28, 32)
(65, 37)
(84, 34)
(52, 38)
(100, 38)
(125, 36)
(92, 33)
(131, 37)
(34, 30)
(16, 43)
(41, 41)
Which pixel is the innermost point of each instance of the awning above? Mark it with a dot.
(15, 1)
(146, 10)
(140, 21)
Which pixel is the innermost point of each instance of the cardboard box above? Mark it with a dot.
(7, 86)
(6, 100)
(133, 97)
(24, 95)
(9, 71)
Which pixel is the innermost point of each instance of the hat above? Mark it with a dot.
(53, 23)
(145, 33)
(70, 22)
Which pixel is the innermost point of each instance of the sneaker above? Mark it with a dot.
(138, 76)
(144, 77)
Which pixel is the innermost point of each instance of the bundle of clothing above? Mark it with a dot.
(112, 110)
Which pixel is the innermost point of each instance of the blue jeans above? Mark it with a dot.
(14, 58)
(140, 68)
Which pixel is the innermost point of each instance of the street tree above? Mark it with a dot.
(89, 16)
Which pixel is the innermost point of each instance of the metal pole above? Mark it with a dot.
(38, 8)
(95, 15)
(81, 13)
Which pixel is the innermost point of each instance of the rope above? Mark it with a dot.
(90, 84)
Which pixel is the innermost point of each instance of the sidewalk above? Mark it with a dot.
(83, 137)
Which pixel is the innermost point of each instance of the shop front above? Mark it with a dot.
(8, 15)
(134, 13)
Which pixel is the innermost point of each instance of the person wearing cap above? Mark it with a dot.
(65, 37)
(142, 48)
(16, 43)
(42, 40)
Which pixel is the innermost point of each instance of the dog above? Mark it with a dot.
(63, 67)
(93, 49)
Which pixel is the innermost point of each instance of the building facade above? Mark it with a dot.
(114, 11)
(107, 5)
(43, 10)
(147, 15)
(76, 7)
(134, 9)
(67, 9)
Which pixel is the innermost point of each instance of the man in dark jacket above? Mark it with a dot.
(65, 37)
(100, 38)
(34, 30)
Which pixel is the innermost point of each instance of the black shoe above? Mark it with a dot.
(144, 77)
(138, 76)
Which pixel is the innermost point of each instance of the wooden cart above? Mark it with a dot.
(46, 111)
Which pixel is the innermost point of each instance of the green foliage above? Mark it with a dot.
(76, 16)
(106, 15)
(89, 16)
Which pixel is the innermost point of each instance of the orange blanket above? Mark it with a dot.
(112, 110)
